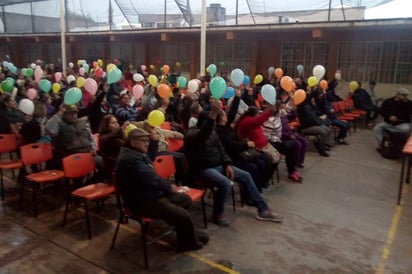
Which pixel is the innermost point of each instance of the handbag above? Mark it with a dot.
(250, 154)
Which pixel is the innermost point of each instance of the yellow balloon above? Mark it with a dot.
(258, 79)
(56, 88)
(155, 118)
(80, 82)
(100, 62)
(129, 128)
(110, 67)
(79, 62)
(353, 86)
(152, 80)
(312, 81)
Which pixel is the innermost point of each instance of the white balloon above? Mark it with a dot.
(71, 65)
(237, 76)
(338, 76)
(70, 79)
(26, 106)
(137, 77)
(319, 72)
(33, 65)
(192, 86)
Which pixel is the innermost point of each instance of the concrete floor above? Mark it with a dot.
(342, 219)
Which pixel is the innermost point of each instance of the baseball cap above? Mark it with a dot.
(403, 91)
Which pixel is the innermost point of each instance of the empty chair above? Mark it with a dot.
(8, 144)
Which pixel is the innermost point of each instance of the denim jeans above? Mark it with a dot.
(215, 177)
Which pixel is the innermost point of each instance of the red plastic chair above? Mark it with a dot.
(174, 144)
(80, 165)
(8, 144)
(37, 154)
(166, 125)
(164, 166)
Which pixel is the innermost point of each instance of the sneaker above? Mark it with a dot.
(324, 154)
(294, 177)
(221, 220)
(202, 237)
(341, 141)
(269, 215)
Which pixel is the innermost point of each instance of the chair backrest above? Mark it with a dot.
(342, 105)
(174, 144)
(8, 143)
(164, 166)
(36, 153)
(166, 125)
(78, 165)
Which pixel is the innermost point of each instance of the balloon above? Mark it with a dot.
(338, 75)
(79, 62)
(217, 87)
(143, 67)
(319, 71)
(353, 86)
(286, 83)
(258, 79)
(237, 76)
(129, 128)
(166, 69)
(312, 81)
(138, 91)
(38, 74)
(71, 65)
(33, 65)
(72, 96)
(178, 65)
(71, 78)
(278, 72)
(90, 85)
(98, 72)
(56, 88)
(230, 92)
(181, 82)
(31, 93)
(152, 80)
(86, 68)
(12, 81)
(6, 85)
(114, 75)
(323, 84)
(13, 69)
(24, 71)
(269, 94)
(45, 85)
(246, 80)
(100, 62)
(152, 67)
(26, 106)
(110, 67)
(299, 97)
(271, 70)
(58, 76)
(95, 64)
(137, 77)
(212, 70)
(155, 118)
(80, 82)
(192, 86)
(300, 69)
(82, 71)
(163, 90)
(30, 72)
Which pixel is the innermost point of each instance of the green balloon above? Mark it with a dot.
(12, 81)
(45, 85)
(29, 72)
(218, 87)
(6, 85)
(182, 81)
(72, 96)
(115, 75)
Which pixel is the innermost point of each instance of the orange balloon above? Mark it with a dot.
(95, 64)
(286, 83)
(299, 97)
(166, 69)
(323, 84)
(164, 91)
(278, 72)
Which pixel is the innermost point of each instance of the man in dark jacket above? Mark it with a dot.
(209, 163)
(363, 100)
(396, 112)
(147, 194)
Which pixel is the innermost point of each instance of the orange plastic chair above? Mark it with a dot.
(166, 125)
(80, 165)
(174, 144)
(164, 166)
(8, 144)
(37, 154)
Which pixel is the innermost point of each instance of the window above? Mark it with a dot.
(308, 54)
(228, 56)
(177, 53)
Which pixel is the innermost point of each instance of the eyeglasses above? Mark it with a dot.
(143, 140)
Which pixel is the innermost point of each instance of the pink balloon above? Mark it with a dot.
(58, 76)
(90, 85)
(38, 74)
(82, 71)
(31, 93)
(138, 91)
(143, 67)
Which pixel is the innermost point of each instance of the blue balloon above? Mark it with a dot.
(237, 77)
(269, 94)
(246, 80)
(300, 68)
(230, 92)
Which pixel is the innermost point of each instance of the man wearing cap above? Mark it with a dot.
(147, 194)
(396, 112)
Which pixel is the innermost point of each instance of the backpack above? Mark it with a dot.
(392, 143)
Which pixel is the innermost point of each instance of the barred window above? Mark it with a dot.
(228, 56)
(174, 53)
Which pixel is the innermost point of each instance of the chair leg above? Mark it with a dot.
(34, 199)
(2, 185)
(145, 226)
(66, 211)
(116, 231)
(204, 211)
(89, 230)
